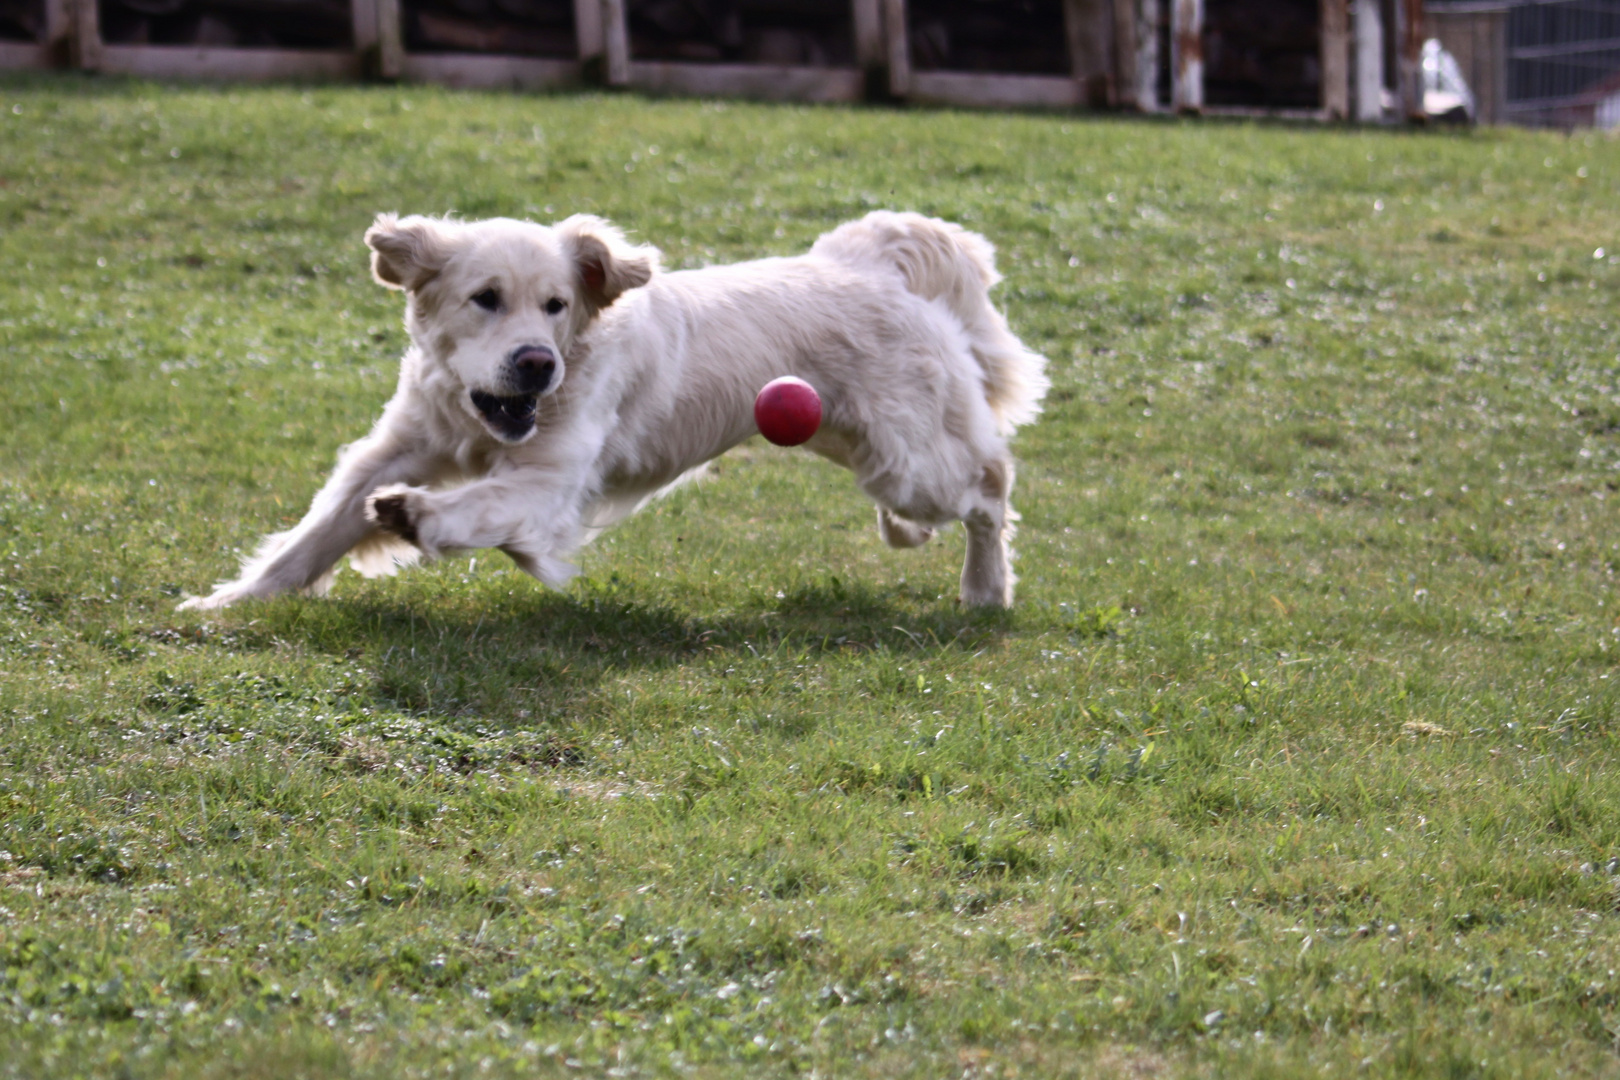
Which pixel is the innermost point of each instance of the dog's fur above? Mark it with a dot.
(557, 380)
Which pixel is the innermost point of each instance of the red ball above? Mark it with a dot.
(788, 411)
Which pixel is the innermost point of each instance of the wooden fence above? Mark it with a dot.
(1306, 58)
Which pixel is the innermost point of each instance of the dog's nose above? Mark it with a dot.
(531, 368)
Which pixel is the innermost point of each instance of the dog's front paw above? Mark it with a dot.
(392, 509)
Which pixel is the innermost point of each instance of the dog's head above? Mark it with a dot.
(498, 304)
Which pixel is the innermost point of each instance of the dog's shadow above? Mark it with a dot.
(540, 656)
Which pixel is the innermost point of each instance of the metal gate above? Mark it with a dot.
(1563, 62)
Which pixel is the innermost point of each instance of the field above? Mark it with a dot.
(1296, 756)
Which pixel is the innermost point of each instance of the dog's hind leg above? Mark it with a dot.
(987, 577)
(897, 532)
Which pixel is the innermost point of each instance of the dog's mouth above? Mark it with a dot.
(510, 418)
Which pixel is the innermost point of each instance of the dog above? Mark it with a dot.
(557, 379)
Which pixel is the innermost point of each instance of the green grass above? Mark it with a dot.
(1295, 758)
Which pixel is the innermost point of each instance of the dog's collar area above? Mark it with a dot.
(510, 418)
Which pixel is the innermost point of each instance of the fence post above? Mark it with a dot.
(1145, 14)
(1369, 62)
(363, 20)
(871, 54)
(86, 49)
(1336, 59)
(868, 19)
(58, 33)
(588, 29)
(1187, 55)
(616, 42)
(390, 39)
(1088, 26)
(894, 28)
(1125, 54)
(1409, 67)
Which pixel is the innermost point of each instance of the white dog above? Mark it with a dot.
(557, 380)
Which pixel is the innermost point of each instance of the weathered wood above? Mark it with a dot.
(1336, 59)
(761, 82)
(1409, 65)
(1089, 26)
(364, 14)
(490, 72)
(588, 28)
(390, 39)
(58, 32)
(870, 50)
(995, 91)
(616, 42)
(50, 46)
(1257, 112)
(1146, 15)
(242, 65)
(1124, 68)
(1476, 36)
(1111, 45)
(894, 31)
(1369, 62)
(1187, 55)
(87, 47)
(24, 56)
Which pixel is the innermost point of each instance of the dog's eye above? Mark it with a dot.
(555, 306)
(489, 299)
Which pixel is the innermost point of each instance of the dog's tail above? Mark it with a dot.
(942, 261)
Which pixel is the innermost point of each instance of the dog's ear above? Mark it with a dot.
(407, 253)
(607, 265)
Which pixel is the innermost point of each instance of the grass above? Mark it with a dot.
(1296, 756)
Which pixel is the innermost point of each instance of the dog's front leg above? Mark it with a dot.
(531, 514)
(302, 558)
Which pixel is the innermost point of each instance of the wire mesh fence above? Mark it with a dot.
(1563, 63)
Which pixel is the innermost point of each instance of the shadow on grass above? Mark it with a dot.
(546, 654)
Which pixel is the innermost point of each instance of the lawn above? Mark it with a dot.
(1295, 757)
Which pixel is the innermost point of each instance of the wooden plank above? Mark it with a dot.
(870, 51)
(1476, 37)
(1146, 15)
(242, 65)
(59, 31)
(24, 56)
(995, 91)
(1336, 59)
(390, 39)
(1124, 68)
(87, 47)
(761, 82)
(896, 32)
(1187, 55)
(588, 28)
(1088, 24)
(1409, 59)
(490, 72)
(363, 13)
(1255, 112)
(1369, 62)
(616, 42)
